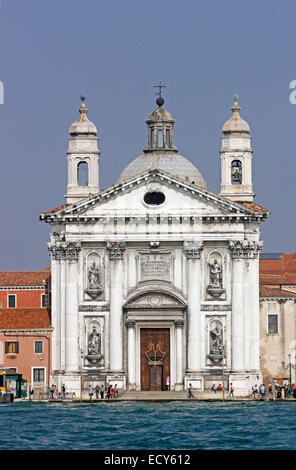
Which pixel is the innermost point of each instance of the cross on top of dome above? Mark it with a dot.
(160, 100)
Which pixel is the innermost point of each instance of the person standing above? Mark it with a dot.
(168, 382)
(64, 391)
(97, 389)
(231, 391)
(190, 392)
(116, 393)
(90, 392)
(31, 392)
(102, 392)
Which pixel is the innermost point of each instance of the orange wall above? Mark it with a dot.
(24, 298)
(26, 358)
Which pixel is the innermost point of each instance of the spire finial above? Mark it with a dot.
(160, 100)
(83, 109)
(235, 107)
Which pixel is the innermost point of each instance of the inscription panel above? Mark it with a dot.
(156, 266)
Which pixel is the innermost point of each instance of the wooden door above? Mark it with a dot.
(155, 358)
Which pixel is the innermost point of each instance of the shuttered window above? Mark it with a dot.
(11, 347)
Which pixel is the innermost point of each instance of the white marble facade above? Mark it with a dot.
(155, 250)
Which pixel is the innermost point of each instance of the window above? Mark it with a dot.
(167, 138)
(38, 376)
(82, 174)
(152, 137)
(38, 347)
(160, 139)
(273, 324)
(236, 172)
(154, 198)
(11, 301)
(42, 300)
(11, 347)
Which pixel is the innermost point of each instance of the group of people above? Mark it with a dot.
(110, 392)
(214, 388)
(53, 391)
(258, 392)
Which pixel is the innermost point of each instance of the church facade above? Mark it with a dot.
(155, 280)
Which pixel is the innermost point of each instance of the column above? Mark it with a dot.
(179, 351)
(131, 354)
(192, 252)
(116, 250)
(252, 291)
(55, 307)
(238, 319)
(71, 320)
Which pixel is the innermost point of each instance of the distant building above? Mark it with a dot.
(25, 330)
(278, 316)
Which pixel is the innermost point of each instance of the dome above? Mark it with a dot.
(82, 125)
(160, 114)
(236, 123)
(172, 163)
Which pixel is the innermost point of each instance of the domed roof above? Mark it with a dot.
(172, 163)
(160, 114)
(82, 125)
(236, 123)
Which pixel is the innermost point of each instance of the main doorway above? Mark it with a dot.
(155, 358)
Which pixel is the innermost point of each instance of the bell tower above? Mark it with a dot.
(83, 158)
(236, 158)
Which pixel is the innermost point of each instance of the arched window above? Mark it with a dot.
(236, 172)
(82, 174)
(152, 137)
(160, 139)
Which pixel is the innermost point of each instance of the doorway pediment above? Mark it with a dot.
(153, 300)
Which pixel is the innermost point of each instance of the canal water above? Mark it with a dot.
(142, 425)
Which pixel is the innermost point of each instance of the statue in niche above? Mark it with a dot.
(94, 281)
(94, 343)
(216, 342)
(215, 288)
(94, 277)
(215, 274)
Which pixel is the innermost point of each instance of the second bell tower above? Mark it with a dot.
(83, 158)
(236, 158)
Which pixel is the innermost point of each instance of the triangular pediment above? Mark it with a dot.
(127, 198)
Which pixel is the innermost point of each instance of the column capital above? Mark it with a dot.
(179, 323)
(245, 248)
(116, 250)
(192, 250)
(130, 323)
(64, 250)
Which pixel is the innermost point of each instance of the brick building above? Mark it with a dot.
(278, 316)
(25, 329)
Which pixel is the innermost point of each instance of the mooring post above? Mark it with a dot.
(266, 388)
(273, 390)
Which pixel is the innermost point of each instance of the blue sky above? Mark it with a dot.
(114, 51)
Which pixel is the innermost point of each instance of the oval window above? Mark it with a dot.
(154, 198)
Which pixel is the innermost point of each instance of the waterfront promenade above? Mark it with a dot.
(167, 396)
